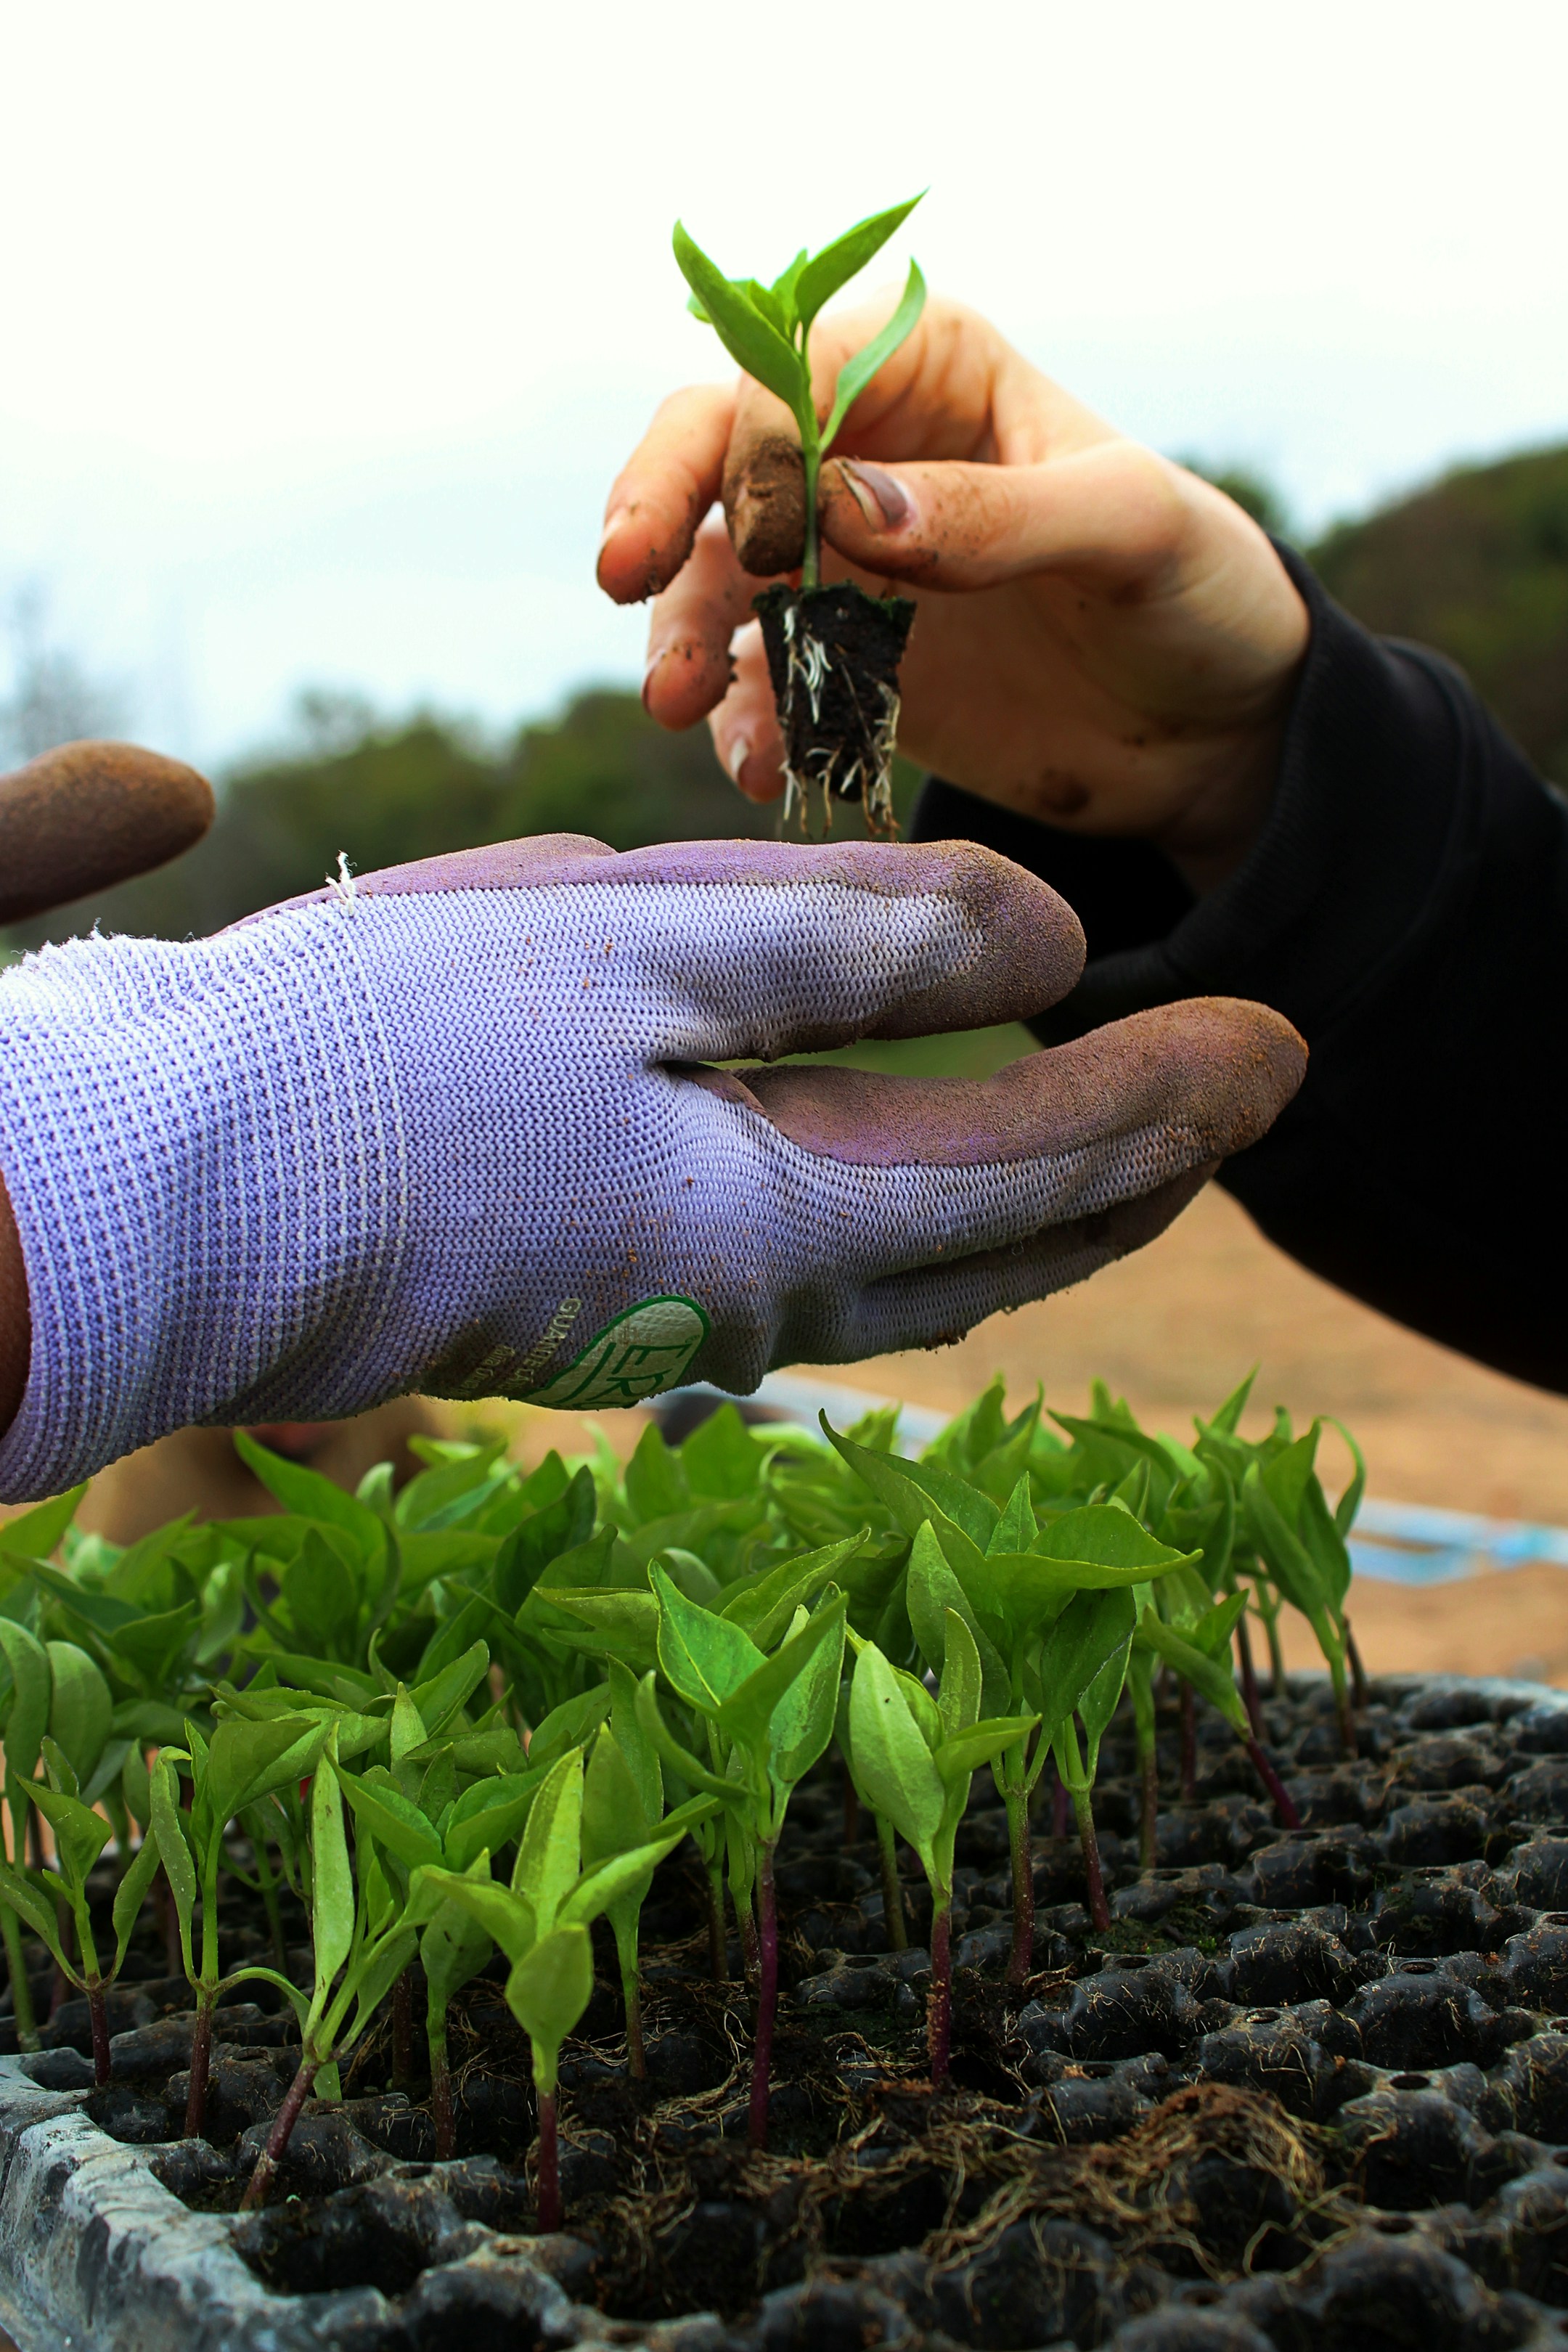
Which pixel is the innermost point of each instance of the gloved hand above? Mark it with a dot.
(449, 1127)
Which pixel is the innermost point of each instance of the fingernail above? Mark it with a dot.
(651, 672)
(612, 524)
(740, 752)
(881, 498)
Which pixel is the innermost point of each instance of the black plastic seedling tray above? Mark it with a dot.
(1311, 2090)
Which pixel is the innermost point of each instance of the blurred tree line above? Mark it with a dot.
(1476, 565)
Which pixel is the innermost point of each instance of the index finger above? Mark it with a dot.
(661, 494)
(86, 815)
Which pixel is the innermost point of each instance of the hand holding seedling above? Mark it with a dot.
(1103, 641)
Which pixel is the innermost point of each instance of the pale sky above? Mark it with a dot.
(329, 325)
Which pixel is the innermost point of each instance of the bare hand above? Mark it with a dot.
(1104, 642)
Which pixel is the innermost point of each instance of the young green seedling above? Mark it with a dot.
(623, 1805)
(833, 653)
(540, 1922)
(1200, 1654)
(242, 1764)
(411, 1814)
(1009, 1575)
(914, 1757)
(893, 1916)
(1305, 1546)
(362, 1941)
(80, 1835)
(769, 1719)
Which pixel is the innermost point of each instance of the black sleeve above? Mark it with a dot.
(1407, 907)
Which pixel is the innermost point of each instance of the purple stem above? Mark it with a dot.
(718, 1957)
(1251, 1696)
(402, 2031)
(259, 2186)
(441, 2112)
(1280, 1796)
(98, 2011)
(201, 2066)
(892, 1886)
(767, 1997)
(549, 2163)
(1148, 1816)
(1189, 1745)
(939, 2015)
(1359, 1691)
(1021, 1959)
(1098, 1909)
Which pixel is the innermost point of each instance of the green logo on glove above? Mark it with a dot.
(646, 1349)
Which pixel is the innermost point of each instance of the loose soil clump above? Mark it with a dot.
(1308, 2089)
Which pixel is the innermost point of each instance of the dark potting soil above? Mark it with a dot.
(832, 656)
(1308, 2089)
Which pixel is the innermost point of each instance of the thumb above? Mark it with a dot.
(1112, 512)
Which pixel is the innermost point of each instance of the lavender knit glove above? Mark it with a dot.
(446, 1129)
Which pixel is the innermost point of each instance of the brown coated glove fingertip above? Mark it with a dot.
(85, 816)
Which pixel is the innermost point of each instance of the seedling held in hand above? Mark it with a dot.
(833, 653)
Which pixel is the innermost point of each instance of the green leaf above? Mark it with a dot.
(613, 1814)
(955, 1760)
(765, 1606)
(1204, 1674)
(80, 1834)
(331, 1878)
(820, 279)
(1090, 1630)
(32, 1684)
(932, 1591)
(1289, 1562)
(174, 1852)
(802, 1724)
(506, 1916)
(319, 1592)
(678, 1759)
(1349, 1503)
(130, 1896)
(704, 1658)
(81, 1711)
(559, 1525)
(33, 1907)
(623, 1624)
(893, 1766)
(1101, 1536)
(312, 1496)
(569, 1724)
(1017, 1527)
(34, 1535)
(655, 1483)
(746, 1715)
(722, 1459)
(910, 1488)
(550, 1855)
(751, 342)
(858, 372)
(453, 1949)
(487, 1817)
(637, 1750)
(959, 1698)
(100, 1611)
(393, 1820)
(440, 1698)
(247, 1760)
(550, 1988)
